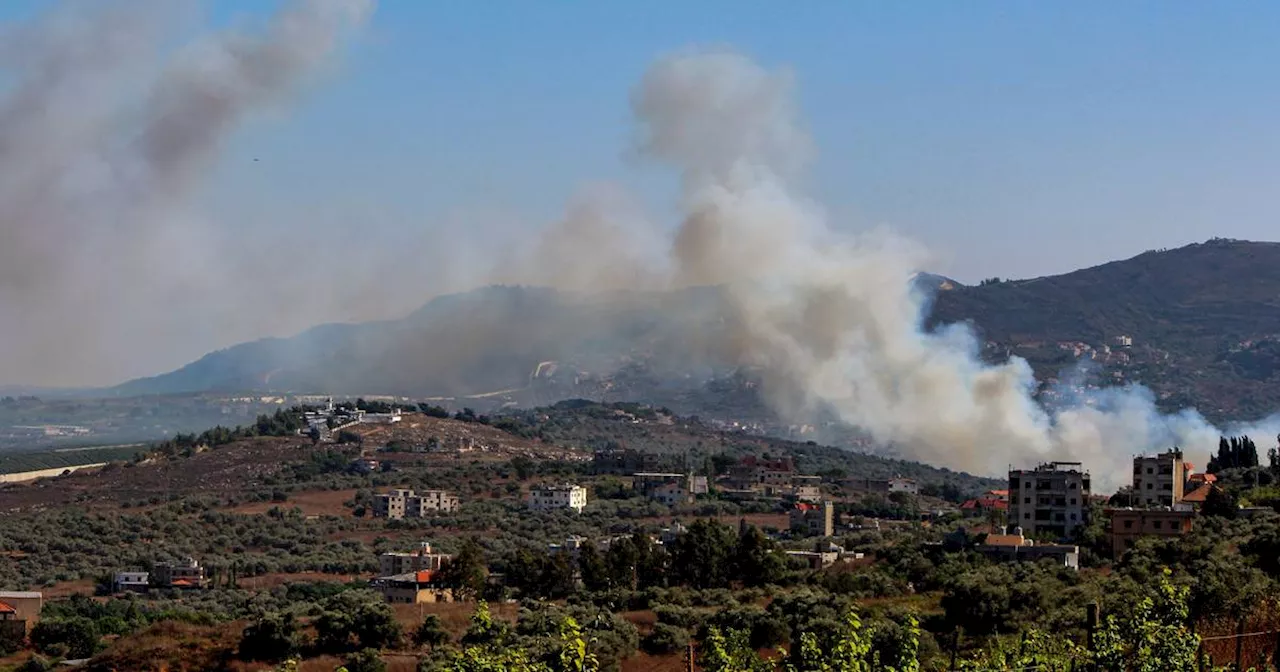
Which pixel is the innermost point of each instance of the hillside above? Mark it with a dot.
(1204, 322)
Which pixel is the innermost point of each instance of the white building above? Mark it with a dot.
(906, 485)
(549, 497)
(403, 503)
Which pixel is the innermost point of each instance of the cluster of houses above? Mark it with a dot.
(327, 419)
(185, 575)
(1053, 500)
(404, 503)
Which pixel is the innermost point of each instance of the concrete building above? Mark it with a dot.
(1051, 499)
(131, 582)
(1128, 525)
(626, 461)
(184, 575)
(420, 587)
(550, 497)
(1017, 548)
(812, 519)
(403, 503)
(18, 612)
(824, 554)
(423, 559)
(1159, 480)
(807, 488)
(883, 485)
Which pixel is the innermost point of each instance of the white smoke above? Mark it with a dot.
(832, 319)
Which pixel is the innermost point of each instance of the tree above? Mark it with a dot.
(485, 630)
(431, 632)
(466, 574)
(75, 637)
(1152, 636)
(702, 557)
(1220, 503)
(593, 569)
(356, 617)
(272, 637)
(757, 560)
(365, 660)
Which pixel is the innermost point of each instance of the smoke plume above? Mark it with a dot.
(101, 151)
(831, 318)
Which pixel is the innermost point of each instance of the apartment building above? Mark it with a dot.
(1052, 499)
(550, 497)
(423, 559)
(1129, 525)
(1159, 480)
(403, 503)
(421, 587)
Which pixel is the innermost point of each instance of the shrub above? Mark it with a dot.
(665, 639)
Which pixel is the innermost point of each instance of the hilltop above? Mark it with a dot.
(1199, 324)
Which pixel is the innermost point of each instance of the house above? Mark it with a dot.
(1159, 480)
(421, 587)
(772, 476)
(404, 503)
(364, 465)
(887, 486)
(809, 520)
(807, 488)
(131, 582)
(1193, 500)
(1017, 548)
(668, 488)
(423, 559)
(550, 497)
(1050, 499)
(626, 461)
(824, 555)
(183, 575)
(1128, 525)
(18, 612)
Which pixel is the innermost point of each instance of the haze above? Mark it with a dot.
(417, 149)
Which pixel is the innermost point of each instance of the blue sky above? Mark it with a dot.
(1014, 139)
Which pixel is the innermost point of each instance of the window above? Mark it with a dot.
(1073, 501)
(1166, 486)
(1073, 517)
(1128, 524)
(1026, 516)
(1159, 524)
(1071, 486)
(1013, 484)
(1150, 486)
(1059, 517)
(1043, 485)
(1150, 470)
(1026, 500)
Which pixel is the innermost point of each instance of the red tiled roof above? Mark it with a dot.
(986, 503)
(6, 608)
(1203, 478)
(1198, 495)
(181, 582)
(805, 506)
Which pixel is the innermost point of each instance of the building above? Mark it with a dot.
(669, 488)
(1158, 480)
(772, 476)
(1052, 499)
(807, 488)
(549, 497)
(810, 520)
(421, 587)
(131, 582)
(626, 461)
(1017, 548)
(423, 559)
(671, 494)
(824, 555)
(18, 612)
(883, 485)
(1129, 525)
(403, 503)
(184, 575)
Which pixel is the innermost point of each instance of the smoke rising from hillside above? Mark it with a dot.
(100, 152)
(831, 318)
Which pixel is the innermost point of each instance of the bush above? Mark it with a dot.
(665, 639)
(366, 660)
(272, 637)
(431, 633)
(73, 637)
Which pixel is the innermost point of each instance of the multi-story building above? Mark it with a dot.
(813, 519)
(131, 582)
(413, 588)
(404, 503)
(549, 497)
(1052, 499)
(1129, 525)
(1158, 480)
(420, 560)
(627, 461)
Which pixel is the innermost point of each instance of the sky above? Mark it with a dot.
(1011, 139)
(1014, 139)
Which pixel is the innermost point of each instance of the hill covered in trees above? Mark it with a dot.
(1199, 324)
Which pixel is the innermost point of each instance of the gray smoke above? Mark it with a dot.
(830, 317)
(101, 152)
